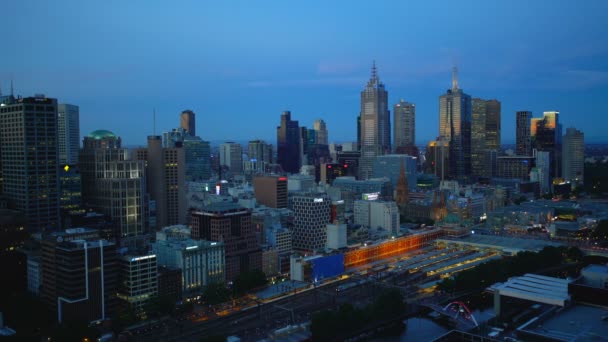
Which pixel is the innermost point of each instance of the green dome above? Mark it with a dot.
(101, 133)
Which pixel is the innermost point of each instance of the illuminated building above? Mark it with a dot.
(28, 152)
(201, 262)
(455, 126)
(352, 189)
(311, 216)
(115, 185)
(271, 191)
(404, 126)
(329, 172)
(231, 224)
(70, 190)
(438, 158)
(375, 124)
(548, 138)
(138, 281)
(485, 135)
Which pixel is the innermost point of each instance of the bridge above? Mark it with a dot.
(456, 312)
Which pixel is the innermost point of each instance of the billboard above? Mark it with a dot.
(327, 267)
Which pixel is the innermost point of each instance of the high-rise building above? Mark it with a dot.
(455, 125)
(79, 276)
(485, 134)
(404, 125)
(402, 196)
(231, 224)
(548, 137)
(197, 151)
(311, 216)
(522, 133)
(514, 167)
(437, 158)
(289, 144)
(573, 155)
(375, 127)
(187, 122)
(320, 132)
(231, 155)
(166, 180)
(29, 156)
(70, 191)
(138, 283)
(115, 185)
(271, 191)
(259, 157)
(68, 133)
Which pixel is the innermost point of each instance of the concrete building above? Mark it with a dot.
(311, 216)
(375, 124)
(231, 224)
(404, 127)
(201, 262)
(378, 214)
(352, 189)
(28, 159)
(270, 262)
(68, 134)
(115, 185)
(271, 191)
(231, 155)
(514, 167)
(455, 126)
(138, 281)
(300, 183)
(336, 236)
(79, 276)
(573, 156)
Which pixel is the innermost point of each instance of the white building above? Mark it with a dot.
(300, 182)
(336, 236)
(202, 262)
(378, 214)
(231, 155)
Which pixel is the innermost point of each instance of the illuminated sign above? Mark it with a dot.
(191, 247)
(213, 243)
(217, 189)
(282, 178)
(371, 196)
(144, 257)
(318, 200)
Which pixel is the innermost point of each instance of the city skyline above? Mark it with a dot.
(118, 71)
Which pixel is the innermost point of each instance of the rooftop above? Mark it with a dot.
(536, 288)
(501, 242)
(101, 133)
(578, 323)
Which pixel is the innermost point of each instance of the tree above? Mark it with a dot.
(215, 293)
(249, 280)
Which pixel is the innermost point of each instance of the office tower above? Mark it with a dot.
(197, 153)
(115, 185)
(201, 262)
(79, 276)
(437, 158)
(288, 144)
(70, 191)
(28, 152)
(271, 191)
(259, 157)
(311, 216)
(231, 224)
(166, 180)
(543, 167)
(455, 125)
(321, 132)
(187, 122)
(514, 167)
(231, 155)
(389, 166)
(404, 125)
(573, 155)
(68, 133)
(329, 172)
(485, 134)
(375, 124)
(548, 137)
(522, 133)
(138, 285)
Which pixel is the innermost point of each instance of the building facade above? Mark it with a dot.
(271, 191)
(522, 133)
(28, 159)
(187, 122)
(138, 281)
(321, 134)
(68, 133)
(289, 144)
(404, 126)
(231, 155)
(547, 136)
(573, 155)
(311, 216)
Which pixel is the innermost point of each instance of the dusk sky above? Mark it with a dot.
(239, 64)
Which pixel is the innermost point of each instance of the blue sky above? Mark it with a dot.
(239, 64)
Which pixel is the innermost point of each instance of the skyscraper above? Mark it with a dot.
(311, 216)
(404, 125)
(548, 137)
(455, 125)
(375, 123)
(188, 122)
(231, 155)
(288, 144)
(321, 132)
(115, 184)
(260, 151)
(28, 135)
(522, 133)
(485, 134)
(573, 155)
(68, 134)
